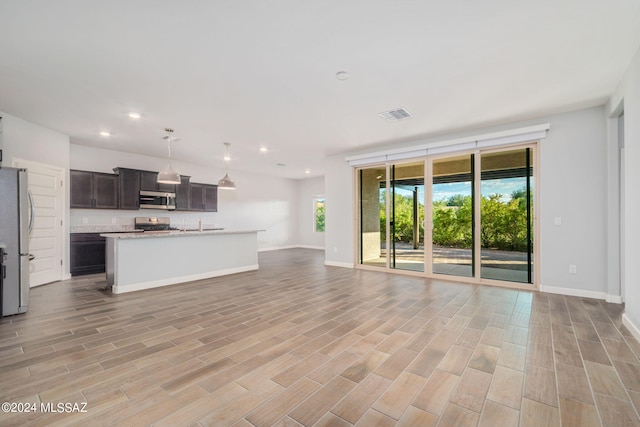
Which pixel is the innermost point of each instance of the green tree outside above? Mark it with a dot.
(503, 225)
(319, 214)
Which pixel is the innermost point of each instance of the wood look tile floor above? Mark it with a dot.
(298, 343)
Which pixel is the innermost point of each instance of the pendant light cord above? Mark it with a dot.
(169, 142)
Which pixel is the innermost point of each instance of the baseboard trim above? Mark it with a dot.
(338, 264)
(628, 323)
(181, 279)
(277, 248)
(615, 299)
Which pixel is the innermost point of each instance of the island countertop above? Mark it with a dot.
(174, 233)
(143, 260)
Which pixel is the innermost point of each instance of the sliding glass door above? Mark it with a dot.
(407, 217)
(480, 215)
(373, 225)
(391, 222)
(506, 218)
(452, 201)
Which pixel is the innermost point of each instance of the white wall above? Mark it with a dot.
(573, 186)
(260, 202)
(308, 190)
(628, 94)
(573, 175)
(29, 141)
(339, 218)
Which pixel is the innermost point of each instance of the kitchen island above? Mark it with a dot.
(136, 261)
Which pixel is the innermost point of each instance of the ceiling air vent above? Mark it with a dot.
(396, 115)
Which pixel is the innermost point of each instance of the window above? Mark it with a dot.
(318, 212)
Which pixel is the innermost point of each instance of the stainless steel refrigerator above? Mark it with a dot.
(15, 222)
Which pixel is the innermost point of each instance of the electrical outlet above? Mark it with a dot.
(114, 220)
(85, 220)
(573, 269)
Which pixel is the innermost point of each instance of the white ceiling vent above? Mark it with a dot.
(396, 115)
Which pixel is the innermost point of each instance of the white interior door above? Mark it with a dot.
(45, 240)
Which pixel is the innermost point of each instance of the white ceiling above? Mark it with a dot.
(263, 72)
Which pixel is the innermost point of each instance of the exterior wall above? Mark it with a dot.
(370, 215)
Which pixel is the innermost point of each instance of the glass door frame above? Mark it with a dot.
(389, 198)
(428, 216)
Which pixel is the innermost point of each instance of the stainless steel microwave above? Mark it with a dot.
(157, 200)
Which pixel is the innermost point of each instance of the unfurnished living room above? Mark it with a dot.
(365, 213)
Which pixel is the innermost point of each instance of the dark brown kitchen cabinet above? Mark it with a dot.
(183, 194)
(204, 197)
(87, 253)
(93, 190)
(129, 188)
(149, 182)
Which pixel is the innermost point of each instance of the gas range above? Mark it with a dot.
(153, 224)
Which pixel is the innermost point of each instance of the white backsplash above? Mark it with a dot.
(107, 220)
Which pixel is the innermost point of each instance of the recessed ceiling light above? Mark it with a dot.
(307, 171)
(135, 115)
(342, 75)
(105, 133)
(263, 149)
(281, 164)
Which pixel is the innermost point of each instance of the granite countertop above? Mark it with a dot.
(102, 228)
(175, 233)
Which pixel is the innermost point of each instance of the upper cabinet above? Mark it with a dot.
(122, 191)
(129, 188)
(183, 194)
(93, 190)
(204, 197)
(149, 182)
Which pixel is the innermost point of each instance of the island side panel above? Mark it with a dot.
(143, 263)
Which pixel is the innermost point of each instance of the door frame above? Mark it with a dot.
(428, 225)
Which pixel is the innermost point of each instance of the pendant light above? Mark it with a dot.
(226, 183)
(168, 175)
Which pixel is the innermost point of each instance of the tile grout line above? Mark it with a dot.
(584, 366)
(626, 390)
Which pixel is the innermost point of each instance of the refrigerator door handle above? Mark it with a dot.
(23, 305)
(31, 211)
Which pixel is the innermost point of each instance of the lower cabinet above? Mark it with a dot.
(87, 253)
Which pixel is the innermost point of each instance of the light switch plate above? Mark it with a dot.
(557, 220)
